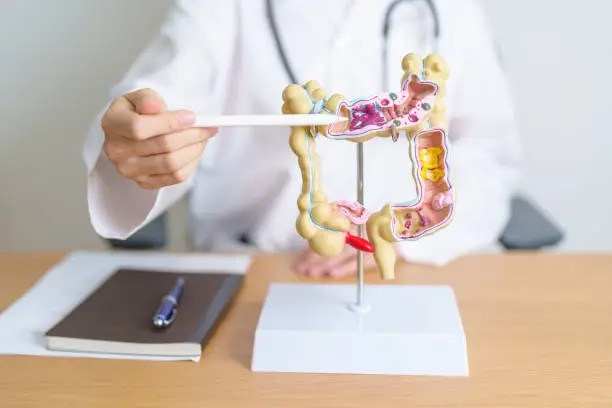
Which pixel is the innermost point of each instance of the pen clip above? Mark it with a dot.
(172, 315)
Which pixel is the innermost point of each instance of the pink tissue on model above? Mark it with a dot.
(442, 200)
(366, 115)
(355, 212)
(403, 109)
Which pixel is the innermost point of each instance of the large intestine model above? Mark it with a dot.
(417, 110)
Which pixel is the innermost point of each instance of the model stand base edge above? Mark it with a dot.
(400, 330)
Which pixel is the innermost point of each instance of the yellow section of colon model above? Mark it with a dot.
(429, 161)
(381, 224)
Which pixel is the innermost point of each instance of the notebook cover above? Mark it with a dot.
(122, 308)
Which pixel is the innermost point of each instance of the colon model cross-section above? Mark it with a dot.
(418, 111)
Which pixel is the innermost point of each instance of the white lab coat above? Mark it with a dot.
(218, 56)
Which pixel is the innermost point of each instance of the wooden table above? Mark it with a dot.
(539, 333)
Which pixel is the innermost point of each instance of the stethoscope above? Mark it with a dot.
(385, 34)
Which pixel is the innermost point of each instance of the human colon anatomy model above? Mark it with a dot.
(417, 110)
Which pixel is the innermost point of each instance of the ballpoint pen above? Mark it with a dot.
(169, 306)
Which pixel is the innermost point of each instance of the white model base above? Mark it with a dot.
(405, 330)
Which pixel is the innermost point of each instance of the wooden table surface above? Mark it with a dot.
(539, 331)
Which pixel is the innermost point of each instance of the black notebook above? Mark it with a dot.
(117, 318)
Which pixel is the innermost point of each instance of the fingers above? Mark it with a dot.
(302, 260)
(121, 120)
(160, 164)
(173, 141)
(326, 266)
(146, 126)
(349, 267)
(310, 264)
(146, 101)
(162, 180)
(141, 115)
(122, 149)
(305, 261)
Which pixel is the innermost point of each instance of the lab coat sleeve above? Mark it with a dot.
(484, 153)
(188, 63)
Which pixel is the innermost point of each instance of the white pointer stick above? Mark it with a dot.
(266, 120)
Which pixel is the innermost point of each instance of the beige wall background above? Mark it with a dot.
(59, 58)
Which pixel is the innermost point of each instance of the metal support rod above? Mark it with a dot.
(360, 228)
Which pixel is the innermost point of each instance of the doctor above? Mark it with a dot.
(236, 57)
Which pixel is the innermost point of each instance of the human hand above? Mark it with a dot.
(309, 263)
(149, 144)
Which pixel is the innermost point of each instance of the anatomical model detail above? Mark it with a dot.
(417, 111)
(379, 115)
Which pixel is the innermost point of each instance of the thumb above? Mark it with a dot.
(146, 101)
